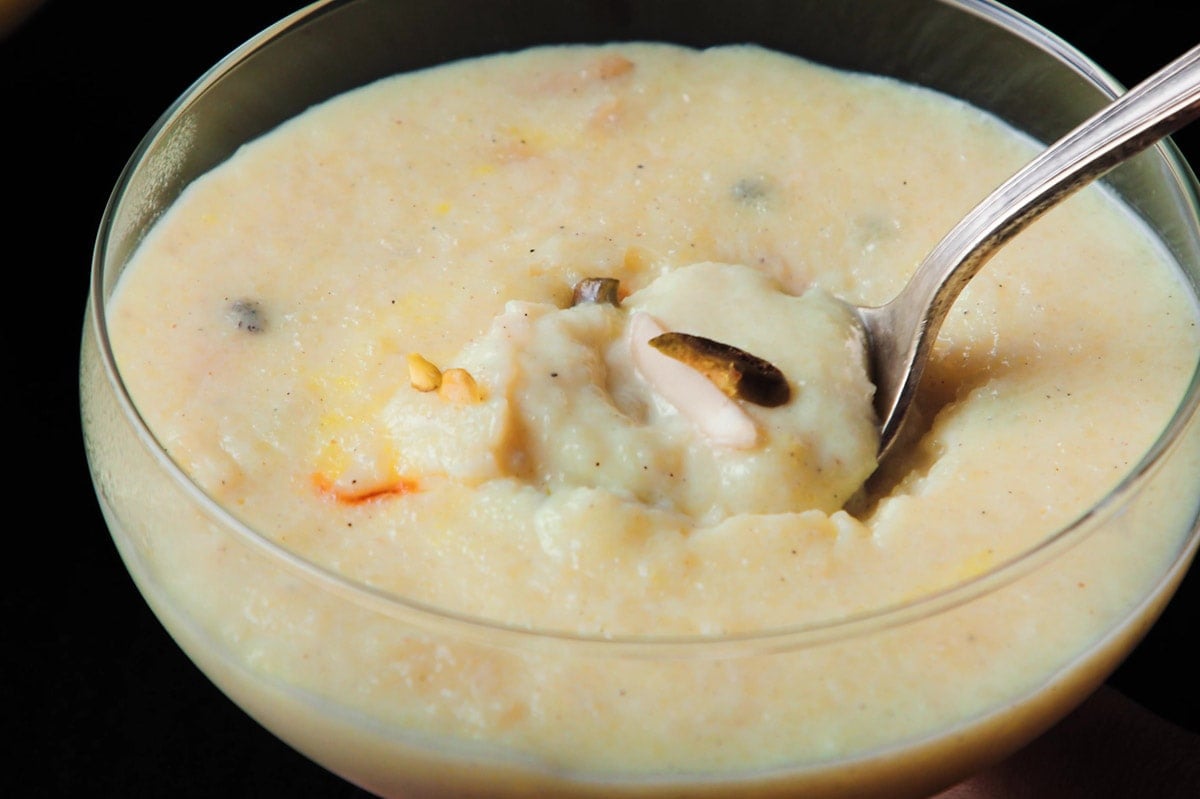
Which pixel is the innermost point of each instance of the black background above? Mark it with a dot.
(98, 699)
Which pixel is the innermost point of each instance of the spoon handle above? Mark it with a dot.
(1160, 105)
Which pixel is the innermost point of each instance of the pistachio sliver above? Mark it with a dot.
(596, 290)
(736, 372)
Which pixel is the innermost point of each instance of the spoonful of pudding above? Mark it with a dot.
(901, 333)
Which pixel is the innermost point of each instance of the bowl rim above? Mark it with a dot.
(433, 618)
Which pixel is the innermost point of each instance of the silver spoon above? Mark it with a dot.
(900, 334)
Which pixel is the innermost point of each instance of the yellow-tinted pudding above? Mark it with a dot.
(268, 327)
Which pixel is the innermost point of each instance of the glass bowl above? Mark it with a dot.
(1037, 648)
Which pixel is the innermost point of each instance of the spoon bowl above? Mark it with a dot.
(901, 333)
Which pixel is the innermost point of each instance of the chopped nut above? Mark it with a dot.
(248, 315)
(596, 289)
(423, 375)
(719, 418)
(458, 386)
(736, 372)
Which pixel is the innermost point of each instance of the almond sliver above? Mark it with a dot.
(720, 419)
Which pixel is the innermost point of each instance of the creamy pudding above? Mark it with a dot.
(363, 337)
